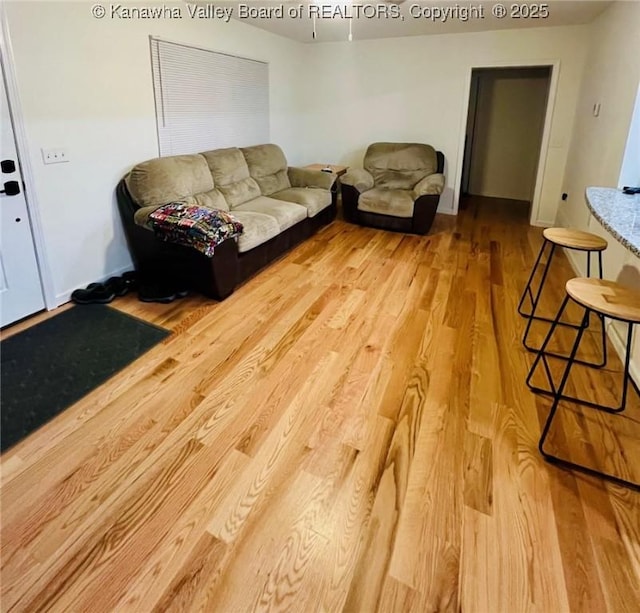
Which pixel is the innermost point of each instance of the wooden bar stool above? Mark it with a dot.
(569, 239)
(606, 299)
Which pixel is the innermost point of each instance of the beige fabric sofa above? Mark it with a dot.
(398, 189)
(278, 206)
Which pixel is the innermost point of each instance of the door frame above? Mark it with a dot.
(24, 160)
(554, 66)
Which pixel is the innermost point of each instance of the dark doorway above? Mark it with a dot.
(505, 124)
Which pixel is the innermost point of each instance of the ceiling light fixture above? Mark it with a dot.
(343, 12)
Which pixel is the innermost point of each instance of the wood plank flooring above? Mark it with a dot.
(349, 431)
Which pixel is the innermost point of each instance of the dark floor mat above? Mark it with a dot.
(48, 367)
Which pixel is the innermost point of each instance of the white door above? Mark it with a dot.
(20, 288)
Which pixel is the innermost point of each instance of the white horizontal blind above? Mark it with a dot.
(207, 100)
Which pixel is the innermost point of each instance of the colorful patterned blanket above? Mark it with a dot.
(194, 226)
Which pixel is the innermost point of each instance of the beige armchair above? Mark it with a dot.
(398, 189)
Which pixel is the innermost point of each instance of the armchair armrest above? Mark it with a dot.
(431, 185)
(358, 178)
(305, 177)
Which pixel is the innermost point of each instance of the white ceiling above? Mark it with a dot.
(560, 13)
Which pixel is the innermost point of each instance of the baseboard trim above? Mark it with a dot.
(541, 223)
(65, 296)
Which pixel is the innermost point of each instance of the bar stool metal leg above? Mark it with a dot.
(558, 396)
(535, 300)
(542, 356)
(610, 300)
(528, 292)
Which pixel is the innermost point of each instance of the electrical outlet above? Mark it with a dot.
(55, 156)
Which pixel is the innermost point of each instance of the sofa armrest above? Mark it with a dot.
(358, 178)
(431, 185)
(305, 177)
(424, 213)
(141, 216)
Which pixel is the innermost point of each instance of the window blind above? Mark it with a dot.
(207, 100)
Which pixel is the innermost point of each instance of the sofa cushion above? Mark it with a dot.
(168, 179)
(268, 166)
(258, 229)
(312, 198)
(213, 199)
(230, 174)
(400, 165)
(286, 214)
(198, 227)
(394, 202)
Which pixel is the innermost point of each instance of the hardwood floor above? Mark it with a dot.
(349, 431)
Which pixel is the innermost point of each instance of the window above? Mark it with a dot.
(207, 100)
(630, 171)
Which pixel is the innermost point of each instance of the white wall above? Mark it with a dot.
(416, 89)
(630, 171)
(509, 119)
(611, 80)
(599, 142)
(85, 84)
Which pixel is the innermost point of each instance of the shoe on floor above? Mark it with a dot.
(160, 292)
(131, 279)
(103, 293)
(95, 293)
(117, 285)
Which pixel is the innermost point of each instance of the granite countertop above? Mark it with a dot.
(618, 213)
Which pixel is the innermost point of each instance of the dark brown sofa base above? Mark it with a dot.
(215, 277)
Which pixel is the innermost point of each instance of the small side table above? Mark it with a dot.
(335, 168)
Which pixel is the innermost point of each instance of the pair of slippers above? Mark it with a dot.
(103, 293)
